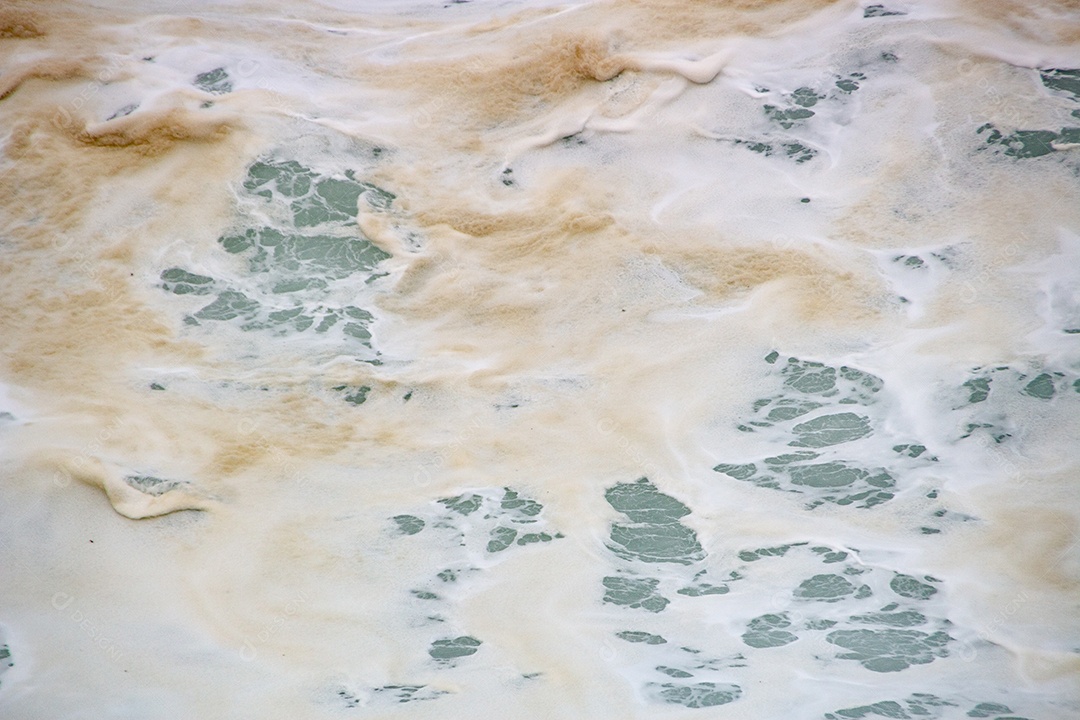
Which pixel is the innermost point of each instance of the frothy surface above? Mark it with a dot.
(610, 359)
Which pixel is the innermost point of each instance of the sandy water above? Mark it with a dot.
(540, 360)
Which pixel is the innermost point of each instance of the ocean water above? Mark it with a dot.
(608, 359)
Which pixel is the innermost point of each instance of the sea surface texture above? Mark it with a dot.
(540, 360)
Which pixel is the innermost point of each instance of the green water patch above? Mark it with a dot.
(696, 695)
(1062, 80)
(501, 538)
(253, 315)
(1003, 381)
(792, 150)
(336, 200)
(850, 384)
(919, 705)
(5, 659)
(511, 507)
(783, 409)
(905, 618)
(522, 507)
(890, 650)
(214, 81)
(654, 534)
(634, 592)
(923, 706)
(298, 250)
(703, 590)
(490, 520)
(836, 482)
(878, 11)
(642, 503)
(453, 531)
(776, 551)
(540, 537)
(424, 595)
(885, 630)
(991, 430)
(408, 524)
(913, 588)
(1041, 387)
(740, 472)
(152, 485)
(454, 648)
(321, 257)
(409, 693)
(788, 117)
(314, 199)
(123, 111)
(788, 113)
(347, 698)
(806, 386)
(684, 675)
(640, 636)
(353, 394)
(991, 710)
(805, 97)
(836, 474)
(829, 555)
(181, 282)
(911, 262)
(978, 388)
(812, 378)
(288, 177)
(463, 504)
(700, 586)
(1023, 144)
(850, 83)
(789, 110)
(832, 429)
(230, 305)
(768, 631)
(913, 450)
(986, 401)
(780, 461)
(825, 588)
(654, 543)
(333, 201)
